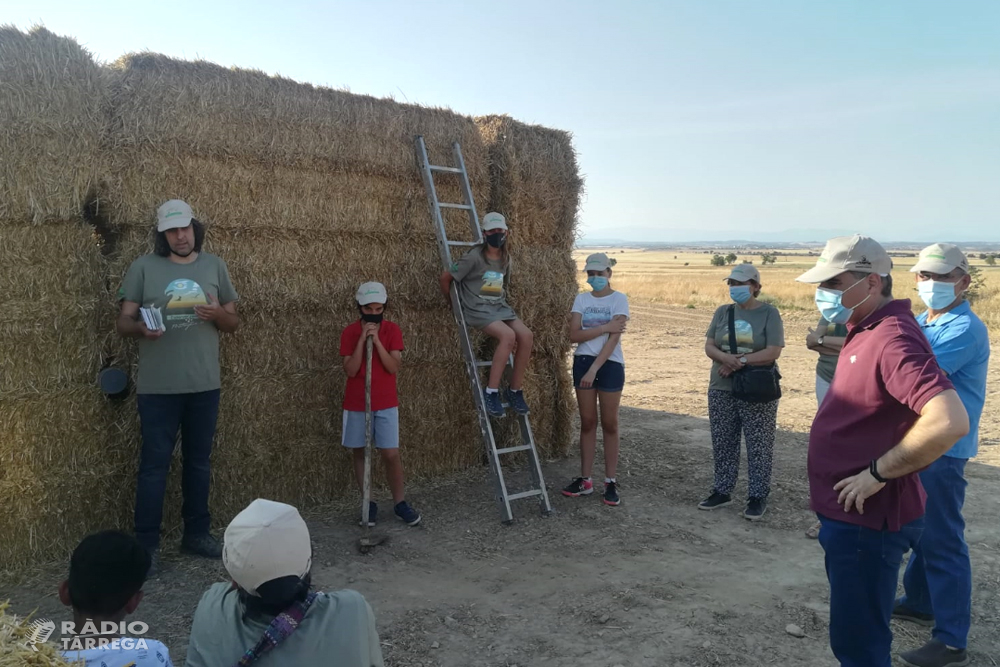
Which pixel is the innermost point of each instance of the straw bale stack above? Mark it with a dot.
(58, 477)
(52, 97)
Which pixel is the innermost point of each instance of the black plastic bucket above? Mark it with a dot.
(113, 382)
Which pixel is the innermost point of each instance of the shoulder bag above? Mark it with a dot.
(754, 384)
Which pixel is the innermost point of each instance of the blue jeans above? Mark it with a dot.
(161, 415)
(938, 578)
(862, 566)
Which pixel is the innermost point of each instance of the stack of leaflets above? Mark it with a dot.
(153, 319)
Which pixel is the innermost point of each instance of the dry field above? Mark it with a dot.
(652, 582)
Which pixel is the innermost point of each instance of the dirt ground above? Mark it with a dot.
(652, 582)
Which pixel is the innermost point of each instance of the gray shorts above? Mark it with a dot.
(385, 429)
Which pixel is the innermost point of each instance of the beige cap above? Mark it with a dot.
(174, 214)
(597, 262)
(743, 273)
(848, 253)
(371, 293)
(494, 221)
(266, 541)
(941, 258)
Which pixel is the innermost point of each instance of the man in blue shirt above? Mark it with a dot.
(938, 580)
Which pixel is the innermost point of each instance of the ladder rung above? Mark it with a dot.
(464, 207)
(483, 364)
(447, 170)
(525, 494)
(468, 244)
(508, 450)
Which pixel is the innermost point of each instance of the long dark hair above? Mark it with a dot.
(277, 595)
(162, 248)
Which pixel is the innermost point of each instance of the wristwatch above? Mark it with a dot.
(743, 360)
(819, 341)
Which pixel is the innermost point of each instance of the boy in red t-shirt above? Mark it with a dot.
(387, 340)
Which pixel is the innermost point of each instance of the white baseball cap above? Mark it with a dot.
(371, 293)
(941, 258)
(174, 214)
(848, 253)
(266, 541)
(494, 220)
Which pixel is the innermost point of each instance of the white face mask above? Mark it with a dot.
(831, 304)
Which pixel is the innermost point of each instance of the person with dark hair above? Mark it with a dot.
(483, 276)
(106, 574)
(890, 413)
(176, 301)
(387, 347)
(268, 615)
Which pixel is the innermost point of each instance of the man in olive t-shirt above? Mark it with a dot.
(827, 342)
(179, 380)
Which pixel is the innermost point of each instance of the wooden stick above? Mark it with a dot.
(368, 439)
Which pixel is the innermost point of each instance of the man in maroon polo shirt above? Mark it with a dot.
(889, 413)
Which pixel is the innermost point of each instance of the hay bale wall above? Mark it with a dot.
(307, 192)
(58, 474)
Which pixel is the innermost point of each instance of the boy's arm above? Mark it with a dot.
(352, 364)
(390, 360)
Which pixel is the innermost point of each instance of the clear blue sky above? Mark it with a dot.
(705, 115)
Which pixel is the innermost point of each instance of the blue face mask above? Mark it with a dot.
(831, 306)
(740, 293)
(598, 283)
(937, 296)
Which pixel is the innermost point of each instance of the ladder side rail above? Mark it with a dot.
(528, 437)
(477, 233)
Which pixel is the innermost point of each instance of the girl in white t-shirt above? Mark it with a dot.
(598, 321)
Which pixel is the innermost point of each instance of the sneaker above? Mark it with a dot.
(493, 404)
(936, 654)
(372, 515)
(715, 501)
(407, 514)
(579, 487)
(755, 509)
(611, 494)
(202, 545)
(516, 400)
(906, 614)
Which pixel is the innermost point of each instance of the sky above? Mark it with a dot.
(694, 120)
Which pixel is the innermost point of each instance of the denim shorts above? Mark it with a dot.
(610, 377)
(385, 429)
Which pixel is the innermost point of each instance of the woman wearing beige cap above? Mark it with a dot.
(742, 337)
(269, 611)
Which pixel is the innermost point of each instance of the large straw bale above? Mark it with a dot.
(60, 472)
(534, 180)
(248, 149)
(52, 97)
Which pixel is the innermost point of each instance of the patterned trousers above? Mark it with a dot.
(730, 418)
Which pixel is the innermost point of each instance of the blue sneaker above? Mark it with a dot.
(494, 406)
(516, 401)
(407, 514)
(372, 514)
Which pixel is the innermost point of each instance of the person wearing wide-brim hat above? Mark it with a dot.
(760, 337)
(890, 412)
(483, 276)
(597, 324)
(937, 585)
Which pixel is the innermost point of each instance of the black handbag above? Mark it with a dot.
(754, 384)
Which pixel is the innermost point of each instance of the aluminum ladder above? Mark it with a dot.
(473, 365)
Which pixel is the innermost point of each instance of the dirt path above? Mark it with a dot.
(652, 582)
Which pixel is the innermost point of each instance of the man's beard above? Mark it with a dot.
(186, 254)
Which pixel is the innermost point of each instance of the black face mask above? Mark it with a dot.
(496, 240)
(372, 319)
